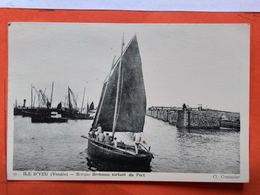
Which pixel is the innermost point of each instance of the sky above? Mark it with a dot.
(195, 64)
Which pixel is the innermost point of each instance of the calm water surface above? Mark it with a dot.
(59, 147)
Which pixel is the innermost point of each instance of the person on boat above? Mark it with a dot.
(92, 133)
(24, 103)
(99, 128)
(137, 140)
(101, 136)
(107, 139)
(115, 142)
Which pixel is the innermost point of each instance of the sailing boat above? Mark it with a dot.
(122, 108)
(44, 103)
(72, 111)
(46, 114)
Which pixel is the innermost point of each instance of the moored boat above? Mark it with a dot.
(48, 119)
(18, 111)
(75, 115)
(72, 111)
(29, 112)
(43, 108)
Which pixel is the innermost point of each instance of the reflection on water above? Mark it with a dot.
(59, 147)
(95, 165)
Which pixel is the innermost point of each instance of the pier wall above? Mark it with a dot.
(173, 117)
(204, 120)
(192, 118)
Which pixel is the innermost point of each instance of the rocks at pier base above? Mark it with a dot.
(196, 118)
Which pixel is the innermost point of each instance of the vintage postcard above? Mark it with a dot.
(135, 102)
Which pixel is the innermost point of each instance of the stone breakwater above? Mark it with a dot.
(196, 118)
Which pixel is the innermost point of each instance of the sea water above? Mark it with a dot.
(60, 147)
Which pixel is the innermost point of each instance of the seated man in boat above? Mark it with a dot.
(137, 140)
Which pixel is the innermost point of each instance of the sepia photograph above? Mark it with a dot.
(140, 102)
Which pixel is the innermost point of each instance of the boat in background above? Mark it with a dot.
(71, 111)
(43, 112)
(48, 119)
(43, 104)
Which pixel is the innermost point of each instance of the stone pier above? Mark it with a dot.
(195, 118)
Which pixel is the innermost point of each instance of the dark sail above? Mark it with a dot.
(91, 107)
(72, 103)
(132, 99)
(106, 106)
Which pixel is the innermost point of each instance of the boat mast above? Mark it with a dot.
(31, 97)
(39, 99)
(52, 86)
(69, 98)
(83, 100)
(117, 89)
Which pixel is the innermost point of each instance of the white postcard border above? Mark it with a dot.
(243, 177)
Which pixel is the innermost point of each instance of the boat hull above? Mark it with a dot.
(75, 116)
(29, 112)
(47, 119)
(103, 152)
(18, 111)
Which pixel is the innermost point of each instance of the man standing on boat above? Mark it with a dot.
(137, 140)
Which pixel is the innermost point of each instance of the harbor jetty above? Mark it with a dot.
(196, 118)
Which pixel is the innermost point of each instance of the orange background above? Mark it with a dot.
(89, 187)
